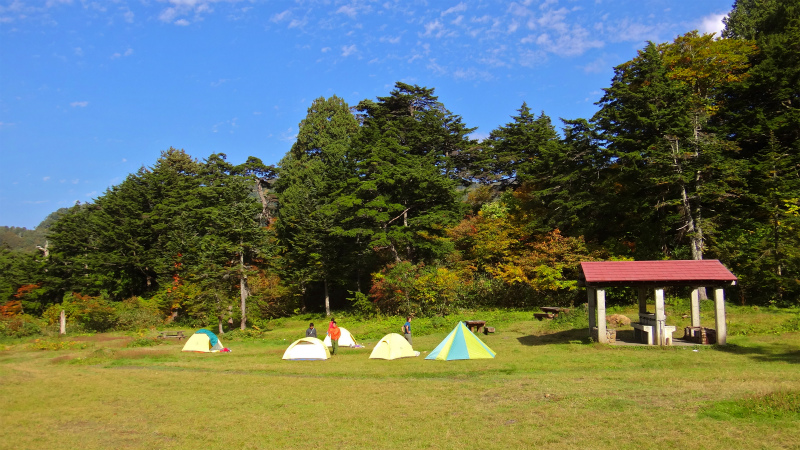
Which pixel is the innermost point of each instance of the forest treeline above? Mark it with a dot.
(389, 207)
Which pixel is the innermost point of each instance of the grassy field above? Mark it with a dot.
(549, 387)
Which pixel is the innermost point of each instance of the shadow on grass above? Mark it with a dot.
(578, 335)
(769, 353)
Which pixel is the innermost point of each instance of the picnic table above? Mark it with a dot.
(172, 334)
(476, 326)
(550, 312)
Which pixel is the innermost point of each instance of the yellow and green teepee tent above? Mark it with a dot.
(461, 343)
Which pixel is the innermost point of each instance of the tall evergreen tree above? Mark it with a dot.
(762, 114)
(639, 112)
(515, 150)
(312, 176)
(404, 193)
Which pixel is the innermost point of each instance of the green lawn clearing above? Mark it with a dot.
(548, 388)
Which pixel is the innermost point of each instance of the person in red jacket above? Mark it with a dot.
(335, 333)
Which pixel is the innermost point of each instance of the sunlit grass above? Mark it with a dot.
(549, 388)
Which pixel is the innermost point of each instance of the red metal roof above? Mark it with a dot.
(668, 273)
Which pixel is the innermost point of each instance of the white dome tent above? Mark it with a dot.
(345, 340)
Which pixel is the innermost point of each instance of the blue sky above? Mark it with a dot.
(91, 91)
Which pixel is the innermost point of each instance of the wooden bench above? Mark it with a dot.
(700, 335)
(172, 334)
(545, 315)
(487, 330)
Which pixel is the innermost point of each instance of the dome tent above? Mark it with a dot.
(203, 341)
(345, 340)
(307, 349)
(392, 346)
(461, 343)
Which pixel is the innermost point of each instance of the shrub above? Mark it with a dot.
(90, 313)
(20, 326)
(136, 313)
(44, 344)
(407, 289)
(362, 305)
(146, 342)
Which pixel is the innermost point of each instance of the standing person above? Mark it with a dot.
(311, 331)
(335, 333)
(407, 330)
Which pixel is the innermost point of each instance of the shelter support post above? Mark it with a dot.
(661, 318)
(592, 305)
(642, 300)
(601, 316)
(696, 307)
(722, 329)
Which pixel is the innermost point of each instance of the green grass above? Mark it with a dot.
(549, 387)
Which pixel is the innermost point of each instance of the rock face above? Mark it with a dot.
(616, 320)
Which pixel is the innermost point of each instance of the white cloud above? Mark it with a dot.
(79, 104)
(348, 10)
(51, 3)
(348, 50)
(712, 24)
(281, 16)
(554, 19)
(628, 31)
(547, 3)
(391, 39)
(124, 160)
(599, 65)
(78, 51)
(45, 178)
(532, 58)
(128, 16)
(433, 27)
(461, 7)
(126, 53)
(180, 8)
(472, 74)
(297, 23)
(573, 43)
(182, 22)
(326, 49)
(435, 67)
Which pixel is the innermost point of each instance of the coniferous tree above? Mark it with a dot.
(312, 176)
(403, 195)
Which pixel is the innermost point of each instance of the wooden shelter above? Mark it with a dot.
(596, 276)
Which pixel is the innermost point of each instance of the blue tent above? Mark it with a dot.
(461, 343)
(211, 336)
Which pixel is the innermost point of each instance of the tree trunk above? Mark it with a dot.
(243, 291)
(264, 202)
(327, 298)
